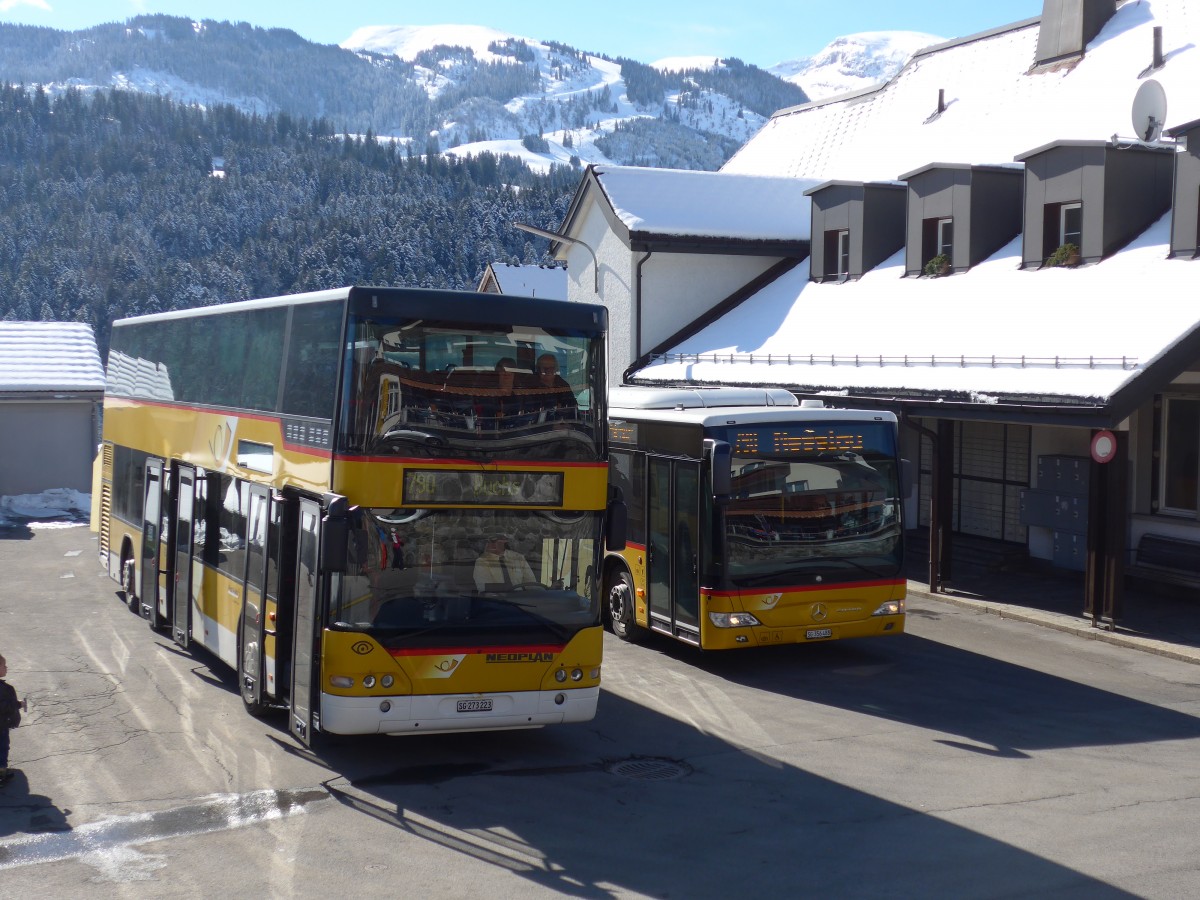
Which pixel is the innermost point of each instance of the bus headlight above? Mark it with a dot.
(891, 608)
(369, 681)
(387, 681)
(733, 620)
(560, 675)
(577, 674)
(341, 681)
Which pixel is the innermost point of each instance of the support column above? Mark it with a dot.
(941, 514)
(1108, 505)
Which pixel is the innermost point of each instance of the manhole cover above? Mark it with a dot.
(649, 769)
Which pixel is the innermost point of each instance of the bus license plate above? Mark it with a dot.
(818, 633)
(475, 705)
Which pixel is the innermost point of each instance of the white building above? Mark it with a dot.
(978, 162)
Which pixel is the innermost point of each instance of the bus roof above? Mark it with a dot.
(706, 417)
(708, 406)
(457, 305)
(628, 397)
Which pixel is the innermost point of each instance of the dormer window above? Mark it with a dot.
(1070, 224)
(984, 201)
(1062, 228)
(855, 226)
(945, 237)
(1085, 200)
(837, 243)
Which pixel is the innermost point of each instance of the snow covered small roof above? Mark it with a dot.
(681, 203)
(996, 330)
(549, 282)
(49, 356)
(997, 106)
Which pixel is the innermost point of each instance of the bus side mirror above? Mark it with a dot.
(907, 478)
(335, 535)
(720, 467)
(616, 521)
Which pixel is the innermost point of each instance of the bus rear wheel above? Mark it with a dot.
(621, 609)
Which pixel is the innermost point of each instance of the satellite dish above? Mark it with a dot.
(1149, 111)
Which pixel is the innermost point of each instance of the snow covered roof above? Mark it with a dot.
(996, 105)
(530, 281)
(680, 203)
(1102, 334)
(49, 356)
(993, 330)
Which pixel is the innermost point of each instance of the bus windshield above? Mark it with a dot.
(417, 388)
(812, 501)
(420, 577)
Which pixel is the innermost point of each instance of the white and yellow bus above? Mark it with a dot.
(304, 485)
(753, 519)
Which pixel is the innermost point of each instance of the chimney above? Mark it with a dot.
(1157, 61)
(1067, 27)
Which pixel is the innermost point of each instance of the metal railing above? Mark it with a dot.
(905, 361)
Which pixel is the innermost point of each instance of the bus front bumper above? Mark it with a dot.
(432, 714)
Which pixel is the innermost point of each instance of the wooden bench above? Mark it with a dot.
(1159, 557)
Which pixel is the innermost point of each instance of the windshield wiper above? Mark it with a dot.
(411, 436)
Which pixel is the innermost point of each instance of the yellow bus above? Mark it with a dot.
(754, 519)
(321, 488)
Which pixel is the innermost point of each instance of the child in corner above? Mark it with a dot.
(10, 717)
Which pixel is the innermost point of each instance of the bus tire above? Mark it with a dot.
(620, 608)
(256, 708)
(129, 582)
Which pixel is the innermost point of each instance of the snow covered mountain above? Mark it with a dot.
(580, 107)
(853, 62)
(457, 89)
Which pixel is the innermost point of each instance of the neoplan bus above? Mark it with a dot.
(753, 519)
(304, 485)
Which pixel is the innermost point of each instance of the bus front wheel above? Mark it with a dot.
(247, 670)
(621, 608)
(129, 583)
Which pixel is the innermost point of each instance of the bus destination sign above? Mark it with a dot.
(798, 442)
(438, 487)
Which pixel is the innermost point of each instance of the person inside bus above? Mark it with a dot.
(554, 393)
(501, 569)
(506, 408)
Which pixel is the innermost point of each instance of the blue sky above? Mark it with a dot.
(762, 32)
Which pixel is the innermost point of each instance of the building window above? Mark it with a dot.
(1070, 228)
(937, 240)
(991, 469)
(837, 255)
(945, 238)
(1179, 472)
(1062, 224)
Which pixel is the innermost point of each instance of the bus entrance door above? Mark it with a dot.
(307, 626)
(179, 599)
(673, 547)
(152, 535)
(253, 619)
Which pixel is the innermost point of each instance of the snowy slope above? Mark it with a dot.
(580, 98)
(853, 62)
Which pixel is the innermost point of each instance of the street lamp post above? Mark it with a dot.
(562, 238)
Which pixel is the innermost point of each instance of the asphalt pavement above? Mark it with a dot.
(1157, 621)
